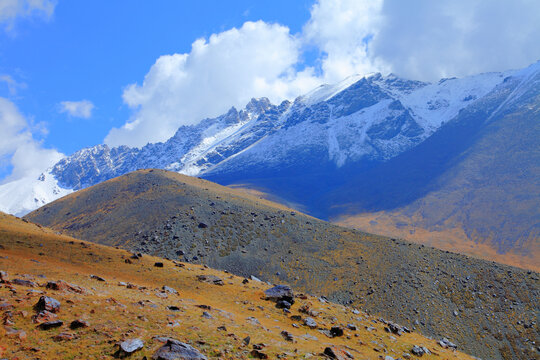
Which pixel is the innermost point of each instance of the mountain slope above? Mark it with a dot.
(476, 181)
(427, 162)
(38, 262)
(170, 215)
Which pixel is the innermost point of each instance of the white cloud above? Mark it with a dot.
(82, 109)
(341, 31)
(18, 148)
(12, 85)
(227, 69)
(420, 39)
(428, 40)
(10, 10)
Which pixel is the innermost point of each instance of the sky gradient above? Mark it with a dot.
(75, 74)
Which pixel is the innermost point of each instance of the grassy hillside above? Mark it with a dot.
(130, 304)
(489, 310)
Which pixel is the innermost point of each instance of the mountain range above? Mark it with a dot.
(454, 164)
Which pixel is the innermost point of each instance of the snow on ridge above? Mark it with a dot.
(21, 196)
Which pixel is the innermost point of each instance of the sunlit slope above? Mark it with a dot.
(166, 214)
(131, 304)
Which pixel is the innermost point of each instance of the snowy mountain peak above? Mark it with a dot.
(362, 118)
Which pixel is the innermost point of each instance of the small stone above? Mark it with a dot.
(51, 324)
(169, 290)
(287, 335)
(158, 264)
(128, 347)
(207, 315)
(309, 322)
(258, 354)
(47, 303)
(334, 352)
(77, 324)
(64, 336)
(246, 340)
(22, 282)
(43, 316)
(283, 304)
(336, 331)
(98, 278)
(175, 349)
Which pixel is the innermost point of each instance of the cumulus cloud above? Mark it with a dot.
(19, 150)
(428, 40)
(418, 39)
(10, 10)
(227, 69)
(342, 30)
(81, 109)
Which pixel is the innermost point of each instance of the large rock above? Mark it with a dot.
(334, 352)
(47, 303)
(280, 292)
(128, 347)
(176, 350)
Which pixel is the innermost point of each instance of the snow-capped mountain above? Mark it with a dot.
(362, 119)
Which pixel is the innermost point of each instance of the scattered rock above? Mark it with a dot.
(175, 349)
(309, 322)
(50, 324)
(47, 303)
(43, 316)
(77, 324)
(445, 343)
(211, 279)
(169, 290)
(246, 340)
(280, 293)
(287, 335)
(22, 282)
(128, 347)
(419, 350)
(258, 354)
(158, 264)
(283, 304)
(64, 286)
(10, 332)
(336, 331)
(3, 276)
(98, 278)
(64, 336)
(207, 315)
(334, 352)
(202, 225)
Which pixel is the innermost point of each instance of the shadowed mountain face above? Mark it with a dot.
(189, 219)
(472, 187)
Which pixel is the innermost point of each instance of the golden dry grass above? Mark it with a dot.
(114, 312)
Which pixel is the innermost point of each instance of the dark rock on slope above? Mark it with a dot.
(158, 212)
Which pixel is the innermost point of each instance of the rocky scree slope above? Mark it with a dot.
(65, 298)
(489, 310)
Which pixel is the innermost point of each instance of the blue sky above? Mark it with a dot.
(93, 49)
(75, 74)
